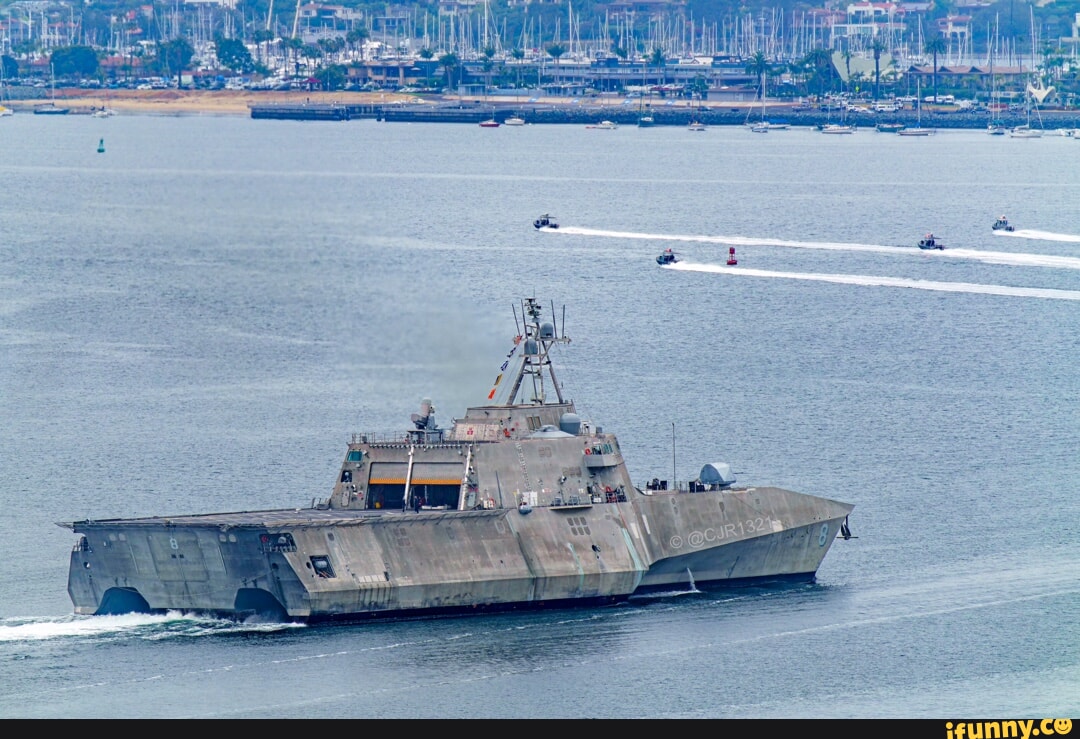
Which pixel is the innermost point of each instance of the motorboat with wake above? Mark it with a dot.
(545, 221)
(667, 257)
(930, 242)
(520, 504)
(1002, 224)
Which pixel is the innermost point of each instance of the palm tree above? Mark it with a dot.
(355, 39)
(555, 51)
(261, 36)
(758, 67)
(877, 47)
(517, 54)
(656, 59)
(935, 46)
(450, 63)
(846, 53)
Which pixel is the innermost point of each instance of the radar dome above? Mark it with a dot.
(717, 473)
(531, 348)
(547, 330)
(570, 423)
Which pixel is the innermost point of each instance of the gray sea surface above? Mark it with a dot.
(196, 319)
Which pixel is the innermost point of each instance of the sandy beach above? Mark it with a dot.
(197, 102)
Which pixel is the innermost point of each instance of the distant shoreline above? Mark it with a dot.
(173, 102)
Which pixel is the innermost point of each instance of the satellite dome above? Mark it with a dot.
(547, 330)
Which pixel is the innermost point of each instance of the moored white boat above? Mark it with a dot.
(1025, 132)
(837, 128)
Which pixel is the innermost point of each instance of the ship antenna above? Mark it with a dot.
(673, 484)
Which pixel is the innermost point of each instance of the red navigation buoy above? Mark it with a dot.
(731, 256)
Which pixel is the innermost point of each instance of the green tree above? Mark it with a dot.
(174, 57)
(698, 87)
(935, 46)
(80, 61)
(234, 55)
(9, 68)
(820, 60)
(332, 77)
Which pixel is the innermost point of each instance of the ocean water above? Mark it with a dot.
(196, 320)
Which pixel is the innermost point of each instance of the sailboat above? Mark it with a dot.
(838, 128)
(917, 130)
(51, 108)
(1035, 95)
(1026, 131)
(764, 125)
(995, 127)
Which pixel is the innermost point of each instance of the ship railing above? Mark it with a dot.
(403, 438)
(656, 485)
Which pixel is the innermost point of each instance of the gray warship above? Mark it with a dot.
(520, 504)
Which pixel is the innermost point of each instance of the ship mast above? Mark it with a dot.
(534, 361)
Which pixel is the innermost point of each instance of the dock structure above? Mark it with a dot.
(301, 112)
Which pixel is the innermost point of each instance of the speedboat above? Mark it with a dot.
(1002, 224)
(929, 242)
(603, 125)
(545, 221)
(667, 257)
(514, 121)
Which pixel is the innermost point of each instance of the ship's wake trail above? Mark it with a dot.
(1031, 233)
(988, 257)
(872, 281)
(149, 626)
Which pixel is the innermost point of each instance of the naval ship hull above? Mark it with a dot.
(519, 505)
(398, 564)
